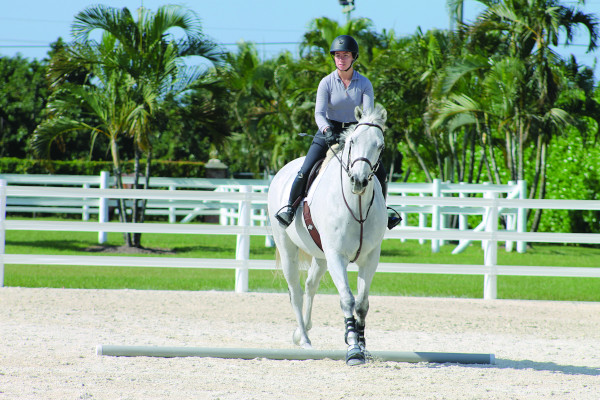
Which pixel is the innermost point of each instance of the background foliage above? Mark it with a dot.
(489, 101)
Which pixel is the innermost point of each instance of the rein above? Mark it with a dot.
(346, 168)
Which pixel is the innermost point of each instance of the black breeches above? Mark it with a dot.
(317, 150)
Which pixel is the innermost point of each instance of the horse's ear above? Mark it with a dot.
(381, 111)
(358, 113)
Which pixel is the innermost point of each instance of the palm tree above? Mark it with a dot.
(522, 80)
(404, 74)
(530, 28)
(254, 105)
(148, 61)
(108, 102)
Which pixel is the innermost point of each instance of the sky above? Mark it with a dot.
(29, 26)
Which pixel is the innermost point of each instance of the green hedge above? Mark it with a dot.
(177, 169)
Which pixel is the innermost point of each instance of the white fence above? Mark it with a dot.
(490, 207)
(228, 212)
(171, 208)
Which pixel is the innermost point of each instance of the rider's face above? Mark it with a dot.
(343, 59)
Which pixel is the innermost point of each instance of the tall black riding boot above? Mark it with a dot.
(393, 220)
(286, 215)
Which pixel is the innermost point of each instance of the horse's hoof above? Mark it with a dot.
(301, 341)
(355, 356)
(296, 337)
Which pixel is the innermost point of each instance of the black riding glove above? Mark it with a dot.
(330, 137)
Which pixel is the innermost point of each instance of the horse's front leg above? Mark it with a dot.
(366, 272)
(337, 266)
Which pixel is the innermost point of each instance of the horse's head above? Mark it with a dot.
(363, 145)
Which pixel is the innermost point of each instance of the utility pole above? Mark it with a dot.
(455, 9)
(347, 8)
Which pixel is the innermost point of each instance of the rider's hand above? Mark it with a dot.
(330, 138)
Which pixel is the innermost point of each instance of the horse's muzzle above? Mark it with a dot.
(359, 185)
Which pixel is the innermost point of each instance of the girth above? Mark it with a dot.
(312, 229)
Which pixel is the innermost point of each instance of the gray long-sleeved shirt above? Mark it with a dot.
(336, 102)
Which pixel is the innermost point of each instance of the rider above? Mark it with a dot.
(337, 96)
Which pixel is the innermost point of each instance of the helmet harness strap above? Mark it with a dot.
(351, 64)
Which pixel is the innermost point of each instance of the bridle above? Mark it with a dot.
(347, 168)
(350, 163)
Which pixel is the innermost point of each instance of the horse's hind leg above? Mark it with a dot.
(289, 265)
(318, 268)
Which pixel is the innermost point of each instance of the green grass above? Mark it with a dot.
(223, 246)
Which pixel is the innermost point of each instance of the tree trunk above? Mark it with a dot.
(484, 148)
(473, 138)
(492, 157)
(135, 211)
(141, 207)
(521, 161)
(508, 144)
(539, 168)
(438, 155)
(538, 213)
(114, 148)
(415, 152)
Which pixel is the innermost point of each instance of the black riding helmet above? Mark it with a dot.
(344, 43)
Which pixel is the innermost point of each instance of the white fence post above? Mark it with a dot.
(85, 213)
(510, 220)
(103, 206)
(172, 210)
(463, 224)
(435, 215)
(243, 242)
(522, 217)
(422, 221)
(2, 228)
(490, 247)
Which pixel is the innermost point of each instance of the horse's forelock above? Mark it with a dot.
(376, 116)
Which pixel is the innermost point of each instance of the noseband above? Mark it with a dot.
(351, 163)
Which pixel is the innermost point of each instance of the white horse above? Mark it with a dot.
(349, 212)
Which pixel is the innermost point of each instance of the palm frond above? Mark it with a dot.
(50, 130)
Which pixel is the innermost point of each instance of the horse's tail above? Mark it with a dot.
(277, 259)
(304, 260)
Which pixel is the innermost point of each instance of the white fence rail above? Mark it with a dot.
(490, 207)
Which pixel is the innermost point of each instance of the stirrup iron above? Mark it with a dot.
(285, 215)
(393, 220)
